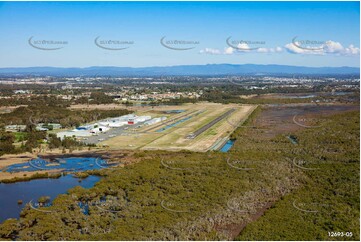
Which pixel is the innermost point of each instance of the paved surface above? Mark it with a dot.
(210, 124)
(112, 132)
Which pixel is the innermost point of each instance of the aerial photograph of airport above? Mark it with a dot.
(180, 121)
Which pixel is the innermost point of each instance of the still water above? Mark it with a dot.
(69, 164)
(227, 146)
(34, 189)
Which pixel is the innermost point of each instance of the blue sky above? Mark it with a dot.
(327, 33)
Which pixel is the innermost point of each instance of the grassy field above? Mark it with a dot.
(174, 138)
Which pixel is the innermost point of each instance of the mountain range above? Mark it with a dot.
(182, 70)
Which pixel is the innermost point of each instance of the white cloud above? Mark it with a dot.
(228, 51)
(352, 50)
(329, 47)
(270, 50)
(294, 48)
(279, 49)
(332, 47)
(241, 48)
(210, 51)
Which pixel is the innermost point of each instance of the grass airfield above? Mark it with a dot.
(173, 137)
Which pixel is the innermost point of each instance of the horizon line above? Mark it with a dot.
(180, 65)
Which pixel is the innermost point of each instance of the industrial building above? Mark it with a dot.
(99, 129)
(105, 125)
(129, 119)
(47, 126)
(117, 122)
(72, 133)
(15, 128)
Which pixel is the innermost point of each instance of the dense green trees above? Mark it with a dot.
(6, 142)
(204, 196)
(54, 141)
(42, 112)
(329, 198)
(35, 139)
(100, 98)
(47, 113)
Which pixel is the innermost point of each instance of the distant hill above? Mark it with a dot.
(183, 70)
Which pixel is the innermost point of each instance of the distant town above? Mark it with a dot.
(152, 89)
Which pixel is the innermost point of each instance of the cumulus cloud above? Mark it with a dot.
(270, 50)
(294, 48)
(228, 50)
(241, 48)
(352, 50)
(332, 47)
(210, 51)
(279, 49)
(329, 47)
(325, 48)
